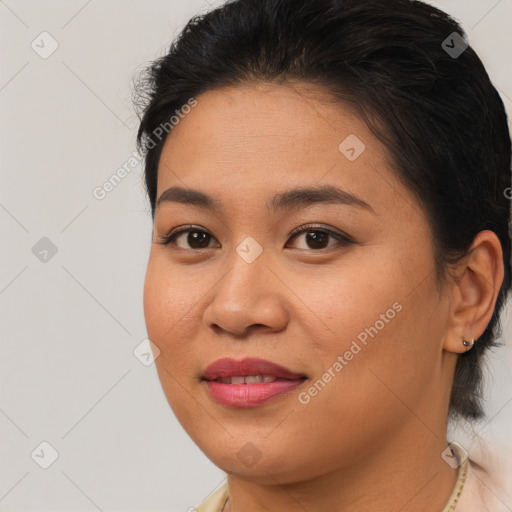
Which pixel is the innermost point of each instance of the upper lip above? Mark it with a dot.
(227, 367)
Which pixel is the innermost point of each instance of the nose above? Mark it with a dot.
(249, 296)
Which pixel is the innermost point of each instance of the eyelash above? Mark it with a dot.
(343, 240)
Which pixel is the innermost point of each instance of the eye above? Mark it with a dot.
(197, 238)
(316, 238)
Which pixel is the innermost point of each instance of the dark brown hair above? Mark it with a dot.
(406, 68)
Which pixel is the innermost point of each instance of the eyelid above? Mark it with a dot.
(342, 237)
(319, 227)
(171, 237)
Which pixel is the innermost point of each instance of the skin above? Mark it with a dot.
(372, 438)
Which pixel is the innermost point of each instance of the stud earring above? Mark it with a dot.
(468, 344)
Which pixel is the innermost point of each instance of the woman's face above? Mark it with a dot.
(354, 319)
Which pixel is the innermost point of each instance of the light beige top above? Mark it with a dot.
(473, 491)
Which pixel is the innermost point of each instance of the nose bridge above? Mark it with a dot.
(246, 295)
(247, 267)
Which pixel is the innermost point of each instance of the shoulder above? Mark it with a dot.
(214, 502)
(480, 494)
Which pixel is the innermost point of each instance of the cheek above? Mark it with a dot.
(376, 340)
(165, 311)
(384, 359)
(389, 357)
(166, 301)
(359, 305)
(156, 307)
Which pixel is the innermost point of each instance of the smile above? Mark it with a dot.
(249, 382)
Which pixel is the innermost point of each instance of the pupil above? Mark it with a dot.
(196, 237)
(316, 238)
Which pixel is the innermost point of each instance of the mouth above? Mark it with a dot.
(249, 382)
(255, 370)
(249, 379)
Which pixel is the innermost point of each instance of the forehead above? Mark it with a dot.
(267, 115)
(260, 139)
(277, 127)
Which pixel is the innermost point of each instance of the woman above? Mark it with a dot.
(329, 184)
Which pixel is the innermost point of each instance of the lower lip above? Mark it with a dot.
(250, 395)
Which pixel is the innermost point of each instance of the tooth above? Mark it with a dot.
(268, 378)
(253, 379)
(237, 379)
(225, 380)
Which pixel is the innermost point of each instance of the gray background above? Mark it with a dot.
(71, 320)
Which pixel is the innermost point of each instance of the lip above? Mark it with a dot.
(227, 367)
(249, 395)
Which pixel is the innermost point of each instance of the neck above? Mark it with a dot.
(406, 472)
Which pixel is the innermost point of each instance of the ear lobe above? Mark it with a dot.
(480, 274)
(468, 344)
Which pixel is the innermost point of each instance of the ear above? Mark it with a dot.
(479, 278)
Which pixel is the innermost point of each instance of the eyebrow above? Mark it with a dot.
(294, 198)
